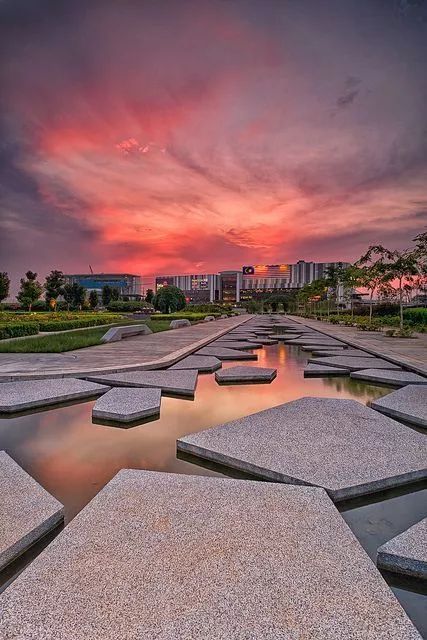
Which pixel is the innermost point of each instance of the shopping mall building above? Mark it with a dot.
(250, 283)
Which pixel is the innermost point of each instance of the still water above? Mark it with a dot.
(74, 458)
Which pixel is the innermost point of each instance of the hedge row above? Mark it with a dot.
(65, 325)
(131, 305)
(18, 329)
(415, 316)
(182, 316)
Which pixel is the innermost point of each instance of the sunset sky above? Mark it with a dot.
(195, 135)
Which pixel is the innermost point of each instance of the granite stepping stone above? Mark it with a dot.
(243, 344)
(408, 403)
(320, 370)
(29, 394)
(349, 353)
(241, 374)
(338, 348)
(181, 383)
(283, 337)
(407, 552)
(203, 364)
(27, 511)
(316, 342)
(267, 341)
(354, 364)
(167, 556)
(392, 378)
(127, 404)
(224, 353)
(357, 452)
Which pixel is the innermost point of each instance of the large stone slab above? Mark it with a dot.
(408, 403)
(348, 353)
(181, 383)
(203, 364)
(224, 353)
(336, 348)
(159, 555)
(320, 370)
(340, 445)
(27, 511)
(407, 552)
(267, 341)
(392, 378)
(321, 342)
(240, 374)
(127, 404)
(242, 344)
(21, 396)
(354, 364)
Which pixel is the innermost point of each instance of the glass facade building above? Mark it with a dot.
(128, 284)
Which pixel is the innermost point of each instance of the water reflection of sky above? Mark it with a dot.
(73, 458)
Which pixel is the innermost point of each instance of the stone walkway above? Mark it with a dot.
(408, 352)
(155, 351)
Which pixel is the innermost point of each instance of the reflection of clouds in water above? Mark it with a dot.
(73, 458)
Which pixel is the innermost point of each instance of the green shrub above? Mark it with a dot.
(194, 317)
(129, 306)
(79, 323)
(209, 308)
(17, 330)
(415, 316)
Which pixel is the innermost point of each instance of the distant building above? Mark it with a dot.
(251, 282)
(128, 284)
(197, 288)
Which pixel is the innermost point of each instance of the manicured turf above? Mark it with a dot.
(67, 341)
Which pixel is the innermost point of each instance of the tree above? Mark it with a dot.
(93, 299)
(68, 294)
(115, 293)
(79, 295)
(106, 295)
(149, 296)
(334, 277)
(4, 285)
(54, 285)
(401, 269)
(169, 299)
(373, 265)
(351, 278)
(30, 290)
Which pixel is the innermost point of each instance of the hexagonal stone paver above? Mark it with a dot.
(203, 364)
(241, 374)
(349, 353)
(161, 555)
(27, 511)
(357, 451)
(243, 344)
(393, 378)
(408, 403)
(29, 394)
(127, 404)
(182, 383)
(353, 364)
(407, 552)
(322, 370)
(224, 353)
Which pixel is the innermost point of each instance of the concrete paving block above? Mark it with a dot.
(320, 370)
(241, 374)
(357, 451)
(27, 511)
(242, 344)
(203, 364)
(320, 342)
(160, 555)
(334, 349)
(170, 382)
(127, 404)
(267, 341)
(29, 394)
(354, 364)
(392, 378)
(348, 353)
(408, 403)
(224, 353)
(407, 552)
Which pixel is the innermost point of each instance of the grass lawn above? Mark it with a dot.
(67, 341)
